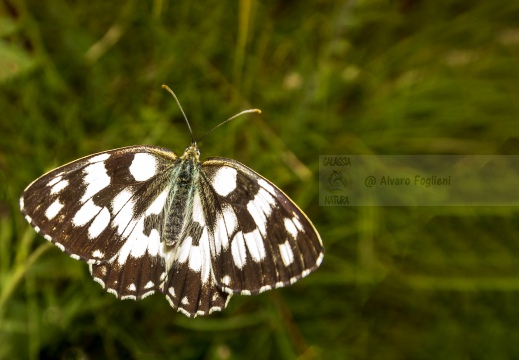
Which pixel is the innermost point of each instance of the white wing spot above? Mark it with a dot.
(260, 209)
(239, 254)
(226, 280)
(230, 218)
(220, 234)
(185, 301)
(198, 210)
(224, 227)
(121, 199)
(61, 247)
(137, 242)
(28, 218)
(291, 228)
(100, 282)
(144, 166)
(215, 308)
(86, 213)
(195, 258)
(258, 216)
(147, 294)
(96, 179)
(172, 292)
(183, 311)
(48, 237)
(99, 224)
(199, 256)
(265, 288)
(224, 181)
(100, 157)
(255, 245)
(37, 229)
(59, 186)
(205, 256)
(265, 200)
(21, 203)
(225, 224)
(170, 302)
(265, 185)
(297, 223)
(53, 210)
(122, 206)
(149, 285)
(74, 256)
(55, 180)
(286, 253)
(154, 245)
(245, 292)
(132, 287)
(98, 254)
(320, 259)
(158, 204)
(127, 247)
(184, 250)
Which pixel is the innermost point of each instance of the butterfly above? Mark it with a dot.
(147, 220)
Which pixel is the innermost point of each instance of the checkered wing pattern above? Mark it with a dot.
(147, 220)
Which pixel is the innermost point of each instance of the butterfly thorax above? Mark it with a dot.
(184, 178)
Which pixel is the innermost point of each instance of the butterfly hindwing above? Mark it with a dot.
(190, 284)
(261, 239)
(137, 278)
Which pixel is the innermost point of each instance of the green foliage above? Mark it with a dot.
(331, 77)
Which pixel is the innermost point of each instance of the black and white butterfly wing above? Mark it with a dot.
(73, 205)
(260, 238)
(109, 209)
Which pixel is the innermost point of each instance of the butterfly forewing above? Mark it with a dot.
(90, 207)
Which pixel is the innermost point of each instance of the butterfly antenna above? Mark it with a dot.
(257, 111)
(183, 113)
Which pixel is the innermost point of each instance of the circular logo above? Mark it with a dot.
(336, 180)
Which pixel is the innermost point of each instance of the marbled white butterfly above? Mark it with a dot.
(145, 219)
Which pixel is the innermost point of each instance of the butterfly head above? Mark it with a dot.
(192, 151)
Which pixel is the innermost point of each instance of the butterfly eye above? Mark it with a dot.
(196, 149)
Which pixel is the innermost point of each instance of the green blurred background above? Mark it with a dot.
(331, 77)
